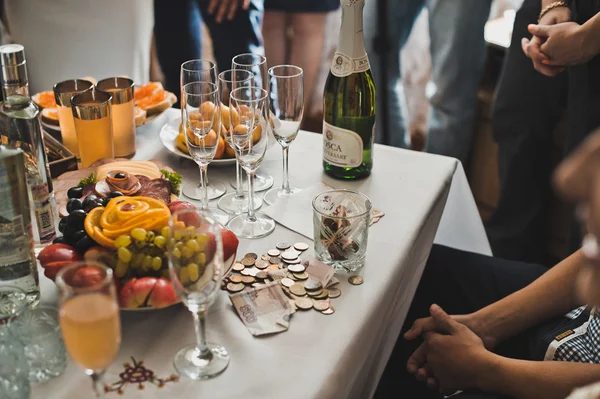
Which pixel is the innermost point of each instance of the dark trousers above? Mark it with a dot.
(527, 109)
(178, 36)
(460, 282)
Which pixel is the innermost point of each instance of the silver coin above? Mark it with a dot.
(265, 257)
(287, 282)
(292, 262)
(283, 245)
(253, 271)
(274, 252)
(313, 285)
(274, 260)
(301, 246)
(296, 268)
(245, 272)
(289, 255)
(261, 275)
(328, 311)
(262, 264)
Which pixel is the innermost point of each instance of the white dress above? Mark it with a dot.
(588, 392)
(66, 39)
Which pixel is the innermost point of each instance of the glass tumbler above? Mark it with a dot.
(14, 381)
(63, 91)
(341, 228)
(122, 114)
(39, 333)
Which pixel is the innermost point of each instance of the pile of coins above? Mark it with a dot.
(282, 264)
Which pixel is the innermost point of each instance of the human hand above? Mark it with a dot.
(226, 8)
(564, 44)
(458, 359)
(531, 48)
(555, 16)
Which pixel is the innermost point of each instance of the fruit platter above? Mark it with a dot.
(117, 212)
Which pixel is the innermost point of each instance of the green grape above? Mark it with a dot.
(177, 235)
(160, 241)
(193, 245)
(120, 269)
(186, 252)
(123, 241)
(190, 232)
(124, 255)
(192, 269)
(202, 239)
(147, 263)
(165, 231)
(180, 245)
(177, 253)
(150, 236)
(139, 234)
(156, 263)
(201, 257)
(137, 260)
(172, 242)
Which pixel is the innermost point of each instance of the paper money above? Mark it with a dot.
(319, 271)
(264, 310)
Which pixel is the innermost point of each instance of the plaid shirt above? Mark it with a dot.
(583, 344)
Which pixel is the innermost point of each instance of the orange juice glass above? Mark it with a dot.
(123, 114)
(63, 91)
(93, 125)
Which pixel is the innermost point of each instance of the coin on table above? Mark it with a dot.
(298, 289)
(265, 257)
(314, 293)
(274, 252)
(238, 267)
(293, 262)
(303, 303)
(301, 276)
(253, 271)
(248, 262)
(323, 295)
(356, 280)
(289, 255)
(236, 279)
(312, 285)
(321, 305)
(232, 287)
(328, 311)
(273, 267)
(262, 264)
(296, 268)
(274, 260)
(283, 245)
(334, 292)
(246, 272)
(287, 282)
(248, 280)
(262, 275)
(251, 255)
(301, 246)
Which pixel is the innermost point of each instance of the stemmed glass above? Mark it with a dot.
(248, 130)
(201, 71)
(257, 64)
(228, 81)
(89, 317)
(200, 118)
(195, 252)
(286, 108)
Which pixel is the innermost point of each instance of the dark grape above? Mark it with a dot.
(89, 200)
(75, 192)
(105, 201)
(62, 224)
(59, 240)
(93, 205)
(76, 218)
(84, 244)
(73, 204)
(114, 194)
(70, 230)
(78, 235)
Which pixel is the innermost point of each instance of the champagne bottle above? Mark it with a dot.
(349, 102)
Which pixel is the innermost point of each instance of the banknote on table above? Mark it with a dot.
(264, 310)
(319, 271)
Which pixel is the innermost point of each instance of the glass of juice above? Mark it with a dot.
(123, 114)
(93, 125)
(89, 317)
(63, 91)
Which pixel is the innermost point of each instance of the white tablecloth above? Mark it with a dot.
(337, 356)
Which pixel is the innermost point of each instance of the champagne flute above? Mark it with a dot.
(196, 276)
(257, 64)
(200, 118)
(286, 107)
(230, 80)
(248, 130)
(202, 71)
(89, 317)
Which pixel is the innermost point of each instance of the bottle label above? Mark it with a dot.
(343, 65)
(43, 213)
(341, 147)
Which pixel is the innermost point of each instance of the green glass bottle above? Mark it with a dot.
(349, 102)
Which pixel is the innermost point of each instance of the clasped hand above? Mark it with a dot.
(452, 356)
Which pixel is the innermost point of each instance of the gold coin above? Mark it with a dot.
(321, 305)
(262, 264)
(262, 275)
(298, 289)
(296, 268)
(328, 311)
(356, 280)
(251, 255)
(323, 295)
(273, 267)
(238, 267)
(283, 245)
(314, 293)
(248, 280)
(334, 292)
(287, 282)
(301, 276)
(232, 287)
(248, 262)
(312, 285)
(301, 246)
(273, 253)
(236, 279)
(304, 303)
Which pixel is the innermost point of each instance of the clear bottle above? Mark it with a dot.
(18, 267)
(21, 128)
(349, 102)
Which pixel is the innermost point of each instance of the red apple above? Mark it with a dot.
(52, 269)
(135, 292)
(163, 294)
(179, 205)
(230, 243)
(86, 276)
(56, 256)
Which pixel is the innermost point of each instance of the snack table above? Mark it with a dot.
(424, 198)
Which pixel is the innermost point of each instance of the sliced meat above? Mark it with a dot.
(143, 179)
(88, 189)
(159, 189)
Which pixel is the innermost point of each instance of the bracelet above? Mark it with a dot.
(551, 7)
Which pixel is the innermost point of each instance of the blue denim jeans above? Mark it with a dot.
(178, 36)
(457, 48)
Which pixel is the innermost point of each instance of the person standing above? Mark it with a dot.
(456, 29)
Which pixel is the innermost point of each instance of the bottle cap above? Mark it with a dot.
(13, 66)
(12, 55)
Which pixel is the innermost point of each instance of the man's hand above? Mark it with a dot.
(459, 359)
(226, 8)
(531, 48)
(564, 44)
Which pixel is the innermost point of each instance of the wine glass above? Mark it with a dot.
(195, 252)
(286, 107)
(230, 80)
(248, 130)
(89, 317)
(202, 71)
(257, 64)
(200, 119)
